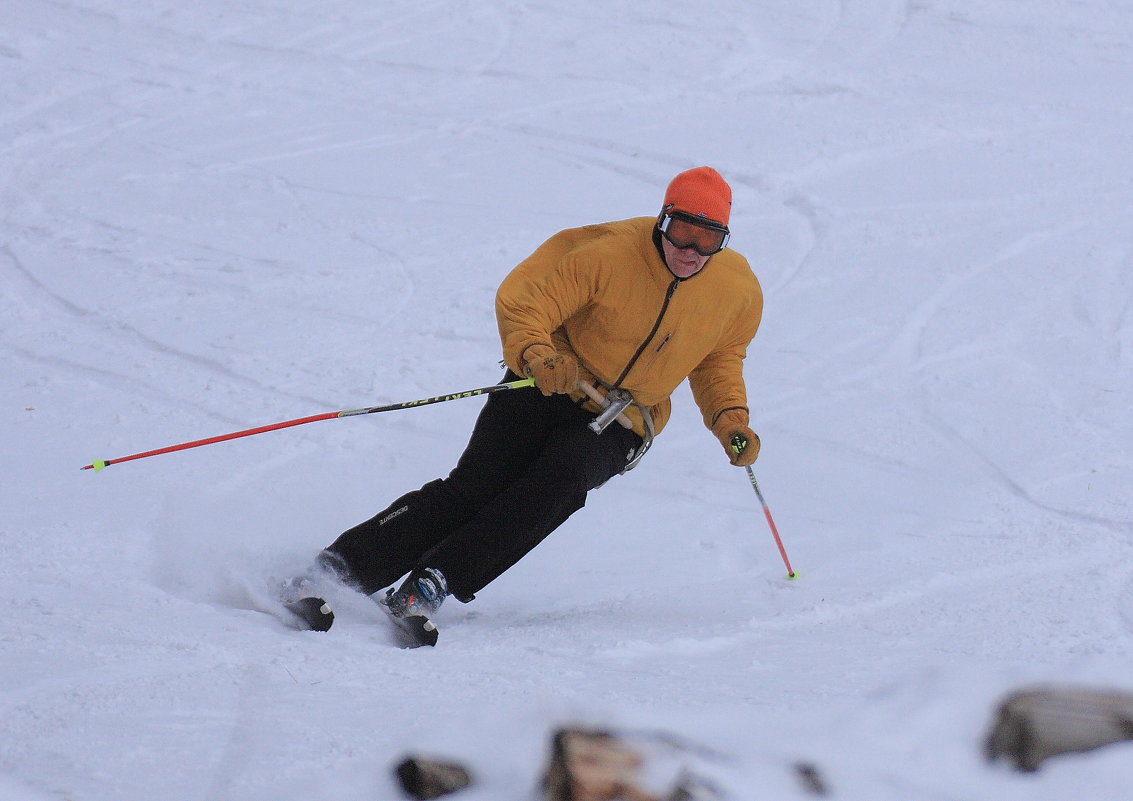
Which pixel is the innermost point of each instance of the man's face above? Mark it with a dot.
(682, 262)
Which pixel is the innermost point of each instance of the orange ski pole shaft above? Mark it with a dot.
(99, 464)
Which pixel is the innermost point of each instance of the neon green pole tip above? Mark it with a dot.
(792, 576)
(98, 464)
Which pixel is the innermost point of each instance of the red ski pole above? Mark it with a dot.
(739, 445)
(791, 574)
(99, 464)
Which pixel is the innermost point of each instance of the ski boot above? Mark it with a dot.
(422, 593)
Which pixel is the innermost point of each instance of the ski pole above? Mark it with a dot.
(99, 464)
(791, 574)
(739, 444)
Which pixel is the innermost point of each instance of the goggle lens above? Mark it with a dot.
(705, 237)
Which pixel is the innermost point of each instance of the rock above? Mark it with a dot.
(591, 765)
(424, 778)
(1035, 724)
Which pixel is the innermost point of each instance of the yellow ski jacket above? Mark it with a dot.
(603, 294)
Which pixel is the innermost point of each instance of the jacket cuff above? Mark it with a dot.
(730, 419)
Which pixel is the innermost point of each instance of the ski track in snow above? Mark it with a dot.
(219, 216)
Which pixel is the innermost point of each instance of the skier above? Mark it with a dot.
(635, 306)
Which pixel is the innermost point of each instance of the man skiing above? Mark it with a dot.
(635, 306)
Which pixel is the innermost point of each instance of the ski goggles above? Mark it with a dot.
(699, 233)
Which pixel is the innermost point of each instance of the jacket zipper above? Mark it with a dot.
(656, 325)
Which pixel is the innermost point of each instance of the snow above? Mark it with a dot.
(215, 216)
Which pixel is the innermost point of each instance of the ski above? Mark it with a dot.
(312, 613)
(421, 593)
(300, 597)
(415, 631)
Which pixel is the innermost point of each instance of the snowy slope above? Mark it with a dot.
(215, 216)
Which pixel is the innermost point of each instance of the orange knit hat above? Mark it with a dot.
(701, 192)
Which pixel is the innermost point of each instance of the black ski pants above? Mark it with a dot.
(528, 466)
